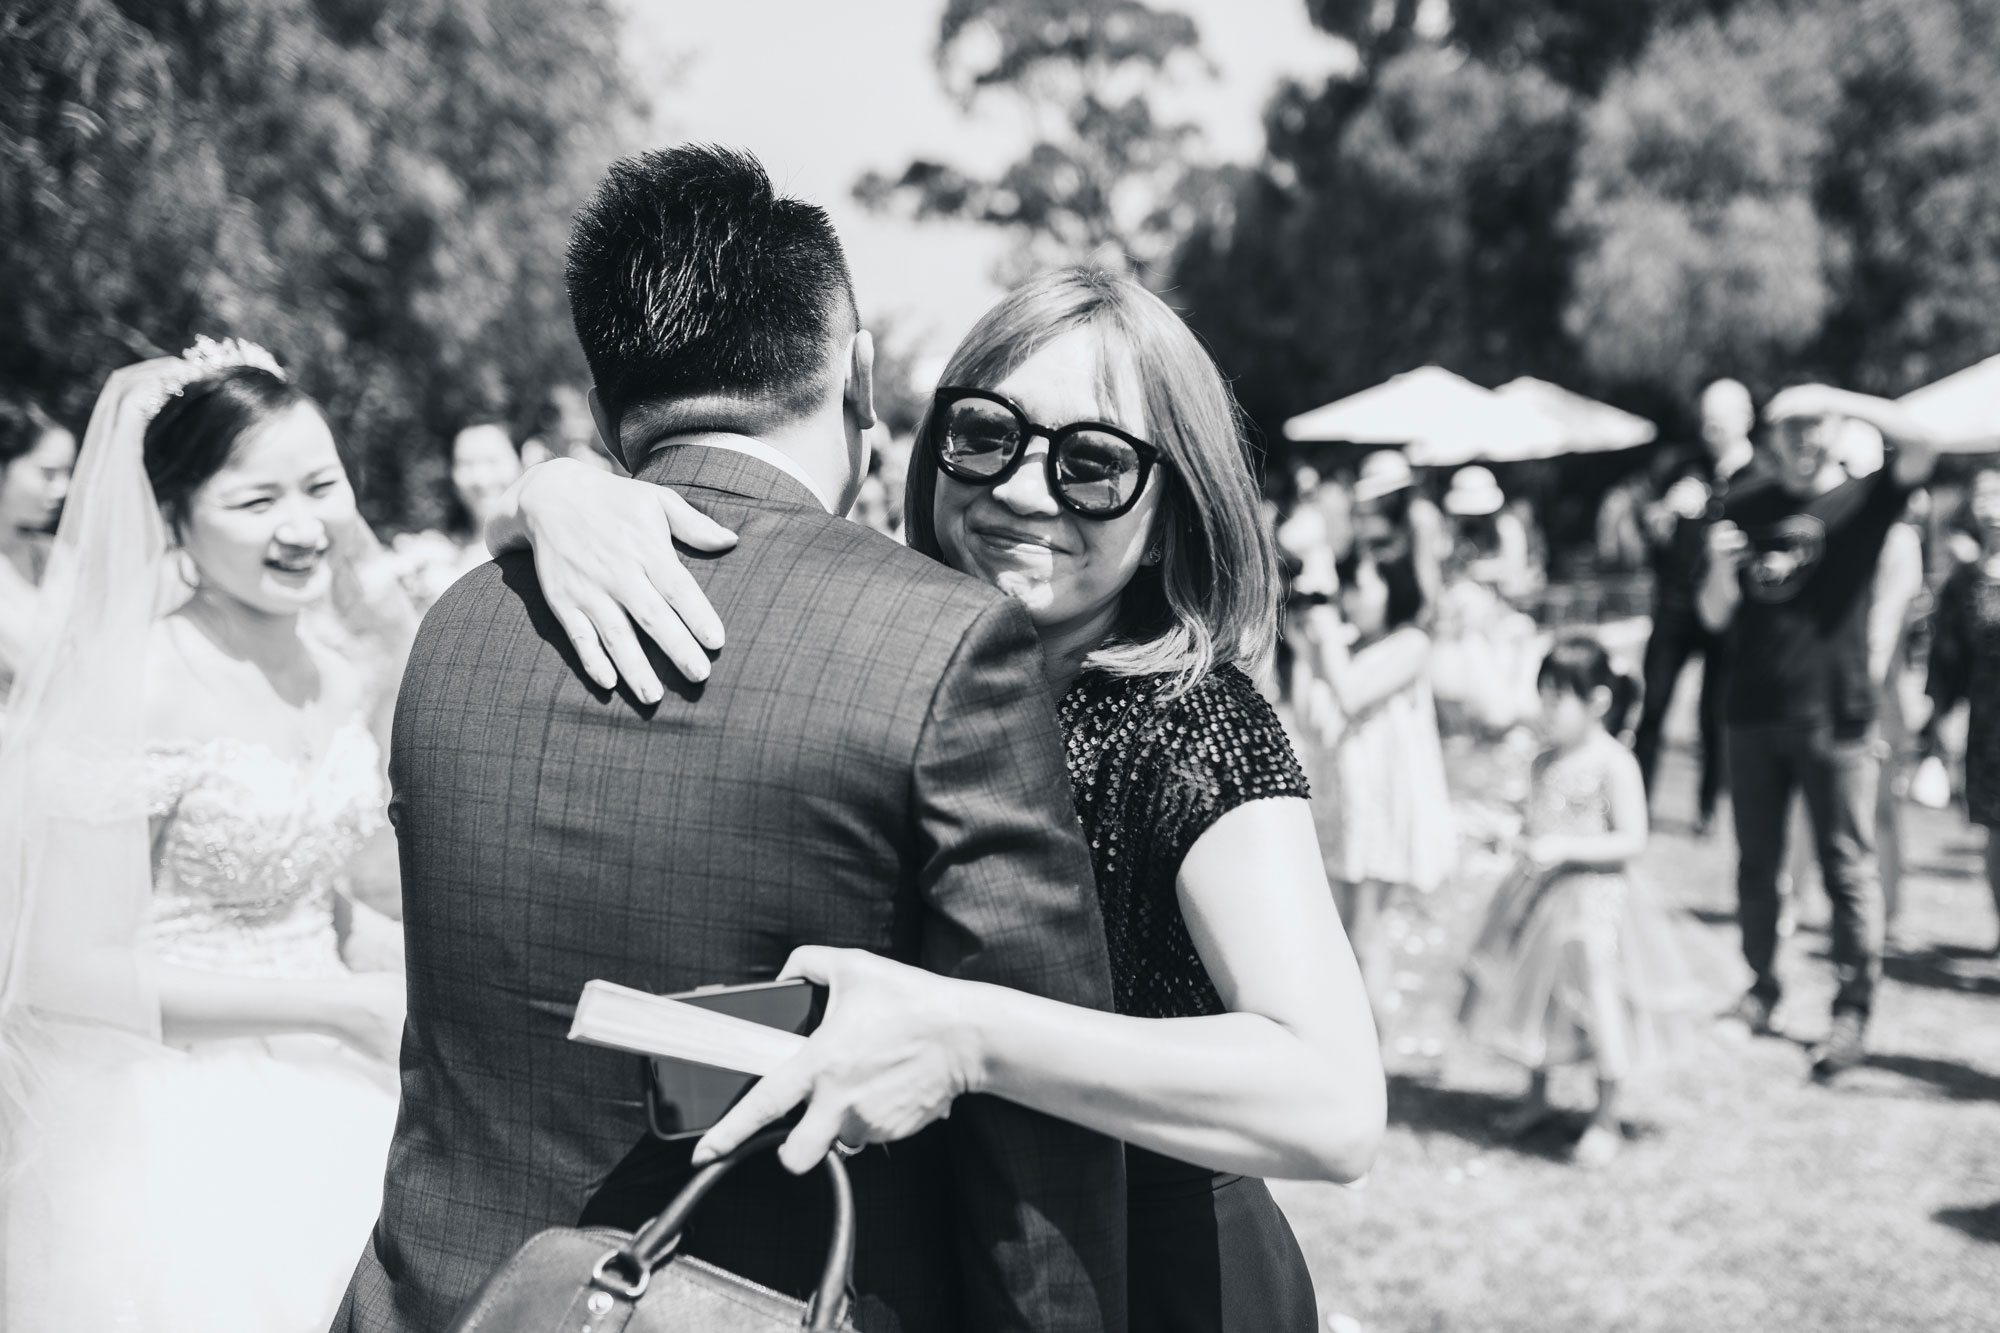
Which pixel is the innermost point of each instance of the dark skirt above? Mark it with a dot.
(1211, 1253)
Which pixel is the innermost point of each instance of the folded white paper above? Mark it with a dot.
(624, 1019)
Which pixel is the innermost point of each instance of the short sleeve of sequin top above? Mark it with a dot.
(1150, 777)
(1227, 749)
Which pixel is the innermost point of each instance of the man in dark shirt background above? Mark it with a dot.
(1790, 579)
(1677, 529)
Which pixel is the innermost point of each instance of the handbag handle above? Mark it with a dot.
(626, 1270)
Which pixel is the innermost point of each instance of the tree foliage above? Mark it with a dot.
(1701, 248)
(379, 192)
(1105, 174)
(1628, 196)
(1797, 191)
(1423, 230)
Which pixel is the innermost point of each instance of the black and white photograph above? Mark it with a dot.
(999, 666)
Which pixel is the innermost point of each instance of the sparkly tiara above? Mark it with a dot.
(205, 360)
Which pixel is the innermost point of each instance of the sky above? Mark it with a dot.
(824, 90)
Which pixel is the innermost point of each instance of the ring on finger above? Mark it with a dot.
(845, 1149)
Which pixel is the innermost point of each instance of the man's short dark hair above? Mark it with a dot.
(690, 278)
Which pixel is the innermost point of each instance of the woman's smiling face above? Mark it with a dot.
(261, 528)
(1068, 571)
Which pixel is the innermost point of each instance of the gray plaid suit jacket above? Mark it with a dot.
(873, 763)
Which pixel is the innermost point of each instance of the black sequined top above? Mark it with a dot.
(1150, 777)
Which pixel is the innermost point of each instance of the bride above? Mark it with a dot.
(197, 1085)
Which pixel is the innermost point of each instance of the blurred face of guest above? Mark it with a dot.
(34, 485)
(1365, 600)
(483, 466)
(871, 504)
(259, 531)
(1567, 717)
(1801, 447)
(1068, 571)
(1985, 506)
(1374, 525)
(1726, 416)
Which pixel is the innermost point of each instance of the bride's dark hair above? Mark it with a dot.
(195, 433)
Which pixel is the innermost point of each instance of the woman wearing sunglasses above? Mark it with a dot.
(1084, 456)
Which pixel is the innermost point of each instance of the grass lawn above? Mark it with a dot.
(1748, 1198)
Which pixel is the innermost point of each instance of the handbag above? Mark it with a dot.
(601, 1280)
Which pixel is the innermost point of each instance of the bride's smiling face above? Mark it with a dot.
(260, 529)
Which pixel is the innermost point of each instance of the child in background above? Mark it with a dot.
(1576, 963)
(1372, 711)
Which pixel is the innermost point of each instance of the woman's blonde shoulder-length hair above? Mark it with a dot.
(1212, 600)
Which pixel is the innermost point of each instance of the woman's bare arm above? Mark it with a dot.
(364, 1010)
(1289, 1083)
(604, 554)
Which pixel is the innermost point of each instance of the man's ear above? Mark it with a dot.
(859, 393)
(607, 429)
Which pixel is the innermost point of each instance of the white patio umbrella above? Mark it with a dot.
(1588, 426)
(1442, 419)
(1961, 410)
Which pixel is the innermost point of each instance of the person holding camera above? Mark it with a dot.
(1792, 564)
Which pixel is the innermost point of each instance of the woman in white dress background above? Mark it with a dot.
(197, 1086)
(484, 463)
(36, 457)
(1373, 716)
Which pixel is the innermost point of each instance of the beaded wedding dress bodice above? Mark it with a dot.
(250, 850)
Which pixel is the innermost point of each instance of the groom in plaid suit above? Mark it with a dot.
(872, 763)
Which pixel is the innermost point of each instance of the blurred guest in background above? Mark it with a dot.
(1391, 514)
(1576, 962)
(871, 505)
(1677, 528)
(1484, 667)
(1491, 545)
(1310, 539)
(571, 433)
(36, 457)
(1899, 585)
(1371, 709)
(484, 463)
(1965, 665)
(1622, 544)
(1792, 565)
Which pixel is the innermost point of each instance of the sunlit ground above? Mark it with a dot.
(1747, 1198)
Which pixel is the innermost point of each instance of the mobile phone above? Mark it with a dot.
(684, 1100)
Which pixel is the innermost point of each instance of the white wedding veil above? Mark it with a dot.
(77, 1001)
(75, 856)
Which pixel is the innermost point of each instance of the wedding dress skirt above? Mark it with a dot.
(227, 1188)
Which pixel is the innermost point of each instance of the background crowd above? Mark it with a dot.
(1679, 208)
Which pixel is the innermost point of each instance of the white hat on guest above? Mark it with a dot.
(1383, 472)
(1474, 493)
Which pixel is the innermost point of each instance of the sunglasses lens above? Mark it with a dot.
(978, 438)
(1096, 472)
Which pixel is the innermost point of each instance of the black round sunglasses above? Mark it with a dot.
(1095, 470)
